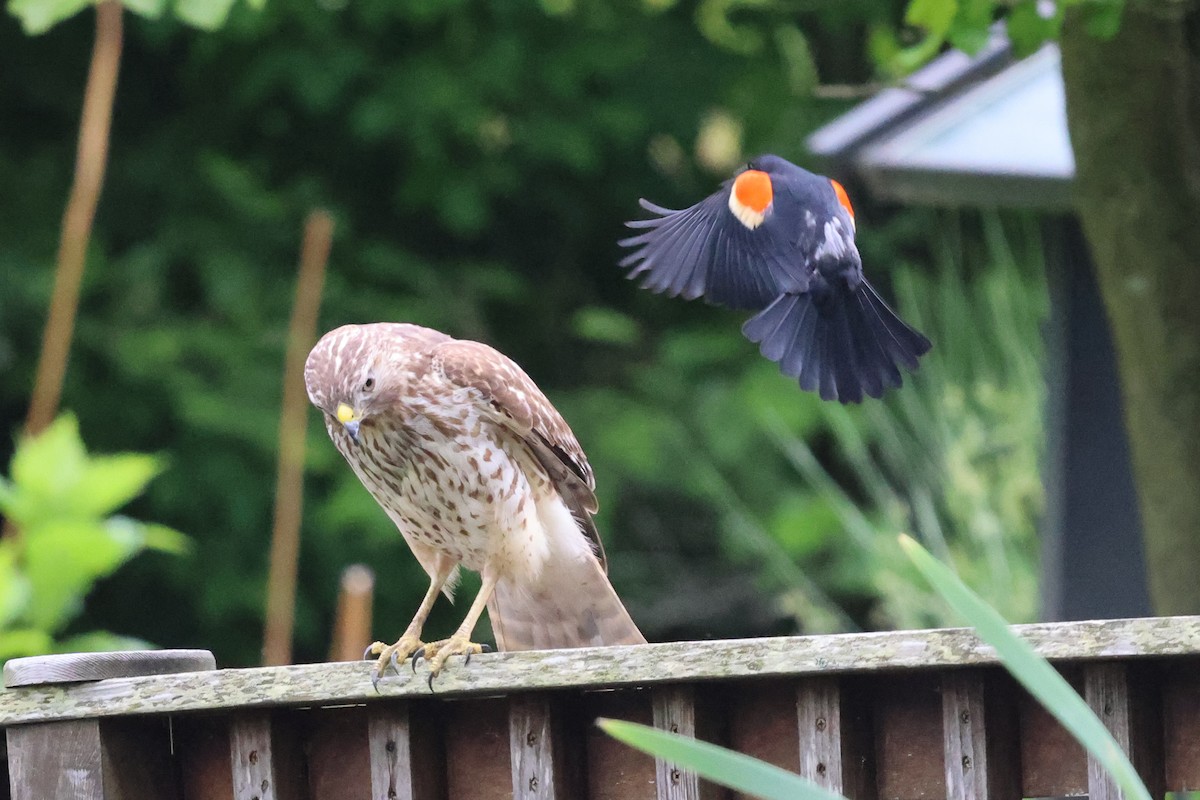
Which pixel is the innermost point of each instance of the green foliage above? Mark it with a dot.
(39, 16)
(61, 502)
(749, 775)
(717, 764)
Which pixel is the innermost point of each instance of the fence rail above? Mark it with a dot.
(882, 716)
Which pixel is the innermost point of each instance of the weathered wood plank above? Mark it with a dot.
(56, 759)
(250, 757)
(675, 711)
(676, 662)
(117, 759)
(1129, 708)
(1053, 764)
(405, 743)
(1181, 727)
(982, 757)
(536, 749)
(614, 770)
(834, 738)
(908, 738)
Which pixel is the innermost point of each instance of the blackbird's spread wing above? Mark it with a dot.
(517, 403)
(705, 250)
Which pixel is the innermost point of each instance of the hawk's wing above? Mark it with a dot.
(519, 405)
(705, 250)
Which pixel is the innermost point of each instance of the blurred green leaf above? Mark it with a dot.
(717, 764)
(109, 482)
(47, 468)
(14, 586)
(606, 325)
(38, 16)
(1103, 17)
(1032, 671)
(62, 560)
(208, 15)
(22, 642)
(972, 24)
(933, 16)
(152, 9)
(1029, 29)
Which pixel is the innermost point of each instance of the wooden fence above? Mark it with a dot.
(886, 716)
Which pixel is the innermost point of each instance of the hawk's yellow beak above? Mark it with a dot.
(349, 420)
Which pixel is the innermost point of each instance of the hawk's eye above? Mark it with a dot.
(369, 384)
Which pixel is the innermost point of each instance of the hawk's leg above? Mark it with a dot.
(389, 655)
(459, 643)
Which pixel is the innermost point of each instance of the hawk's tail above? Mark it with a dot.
(574, 606)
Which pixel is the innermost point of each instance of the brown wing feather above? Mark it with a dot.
(520, 405)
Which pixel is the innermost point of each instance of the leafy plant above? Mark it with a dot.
(62, 501)
(38, 16)
(1040, 679)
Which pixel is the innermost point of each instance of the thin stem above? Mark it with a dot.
(293, 424)
(91, 160)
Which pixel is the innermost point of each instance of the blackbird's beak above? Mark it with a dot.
(349, 419)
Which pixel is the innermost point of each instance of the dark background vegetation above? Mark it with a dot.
(479, 159)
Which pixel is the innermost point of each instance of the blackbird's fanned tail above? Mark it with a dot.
(844, 344)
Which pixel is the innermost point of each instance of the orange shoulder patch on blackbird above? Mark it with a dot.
(753, 189)
(842, 197)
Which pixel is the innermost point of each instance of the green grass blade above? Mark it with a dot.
(737, 771)
(1033, 672)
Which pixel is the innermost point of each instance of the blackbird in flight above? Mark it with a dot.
(779, 240)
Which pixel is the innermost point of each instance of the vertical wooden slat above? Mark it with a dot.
(477, 750)
(1181, 727)
(265, 757)
(536, 749)
(337, 755)
(56, 759)
(91, 759)
(908, 738)
(834, 740)
(980, 749)
(674, 709)
(251, 758)
(614, 770)
(405, 748)
(1123, 701)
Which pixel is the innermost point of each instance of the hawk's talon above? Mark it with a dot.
(389, 655)
(417, 656)
(436, 654)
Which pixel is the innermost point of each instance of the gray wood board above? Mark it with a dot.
(639, 665)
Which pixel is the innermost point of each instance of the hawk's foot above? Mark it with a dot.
(390, 655)
(436, 654)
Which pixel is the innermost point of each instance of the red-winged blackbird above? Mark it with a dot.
(780, 240)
